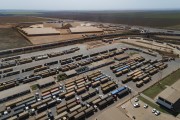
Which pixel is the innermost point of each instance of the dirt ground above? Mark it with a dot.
(168, 37)
(5, 25)
(112, 114)
(64, 31)
(95, 44)
(54, 38)
(143, 114)
(18, 19)
(10, 38)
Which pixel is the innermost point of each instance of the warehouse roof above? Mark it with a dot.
(170, 94)
(45, 81)
(40, 31)
(14, 91)
(85, 29)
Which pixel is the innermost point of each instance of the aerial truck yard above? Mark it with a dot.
(67, 64)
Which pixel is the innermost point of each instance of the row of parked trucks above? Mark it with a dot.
(17, 60)
(143, 75)
(125, 67)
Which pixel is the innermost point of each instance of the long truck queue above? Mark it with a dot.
(17, 60)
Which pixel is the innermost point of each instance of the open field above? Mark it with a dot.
(153, 91)
(158, 19)
(19, 13)
(11, 39)
(19, 19)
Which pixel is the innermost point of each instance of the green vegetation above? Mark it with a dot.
(172, 78)
(61, 77)
(34, 87)
(10, 38)
(153, 91)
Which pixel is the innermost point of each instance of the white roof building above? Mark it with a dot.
(40, 31)
(85, 29)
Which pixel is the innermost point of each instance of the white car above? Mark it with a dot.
(77, 98)
(97, 89)
(136, 100)
(101, 96)
(154, 110)
(157, 113)
(87, 105)
(54, 97)
(5, 112)
(145, 106)
(136, 105)
(32, 111)
(95, 106)
(26, 108)
(58, 100)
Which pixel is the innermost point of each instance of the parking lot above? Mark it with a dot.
(101, 87)
(141, 113)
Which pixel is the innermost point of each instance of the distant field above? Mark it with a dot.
(20, 13)
(11, 39)
(18, 19)
(158, 19)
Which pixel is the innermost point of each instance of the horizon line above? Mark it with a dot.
(94, 10)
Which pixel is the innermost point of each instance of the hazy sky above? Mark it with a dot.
(89, 4)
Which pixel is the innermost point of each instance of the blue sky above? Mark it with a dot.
(90, 4)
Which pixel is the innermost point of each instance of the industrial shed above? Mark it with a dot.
(40, 31)
(14, 92)
(85, 29)
(170, 98)
(45, 82)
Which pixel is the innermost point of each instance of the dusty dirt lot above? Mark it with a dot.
(18, 19)
(11, 39)
(143, 114)
(95, 44)
(5, 25)
(169, 37)
(112, 114)
(54, 38)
